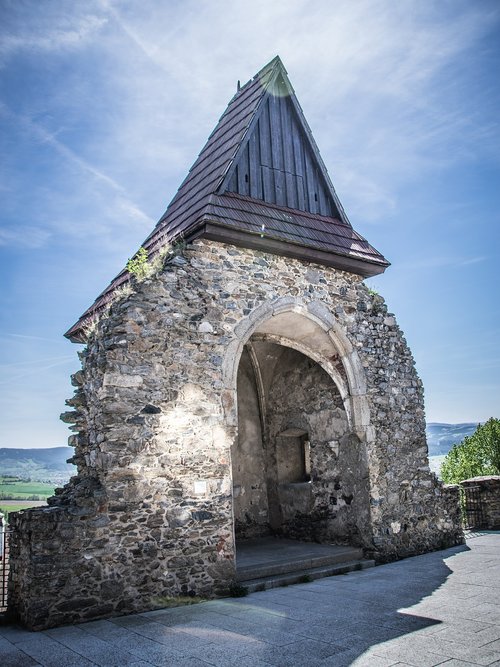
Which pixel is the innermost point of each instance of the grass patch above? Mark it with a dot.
(16, 489)
(14, 507)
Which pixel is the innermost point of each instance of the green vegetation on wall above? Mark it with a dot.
(138, 265)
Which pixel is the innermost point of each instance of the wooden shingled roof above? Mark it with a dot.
(260, 183)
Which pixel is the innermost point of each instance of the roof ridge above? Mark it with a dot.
(262, 156)
(275, 62)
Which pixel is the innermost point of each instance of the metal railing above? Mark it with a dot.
(472, 507)
(4, 566)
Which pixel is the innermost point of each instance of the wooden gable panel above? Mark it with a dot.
(278, 165)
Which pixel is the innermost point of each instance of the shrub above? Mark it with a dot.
(476, 455)
(138, 266)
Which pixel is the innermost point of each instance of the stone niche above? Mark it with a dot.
(298, 470)
(235, 394)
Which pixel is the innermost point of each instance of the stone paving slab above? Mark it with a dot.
(437, 609)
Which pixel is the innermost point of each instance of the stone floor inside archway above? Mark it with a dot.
(270, 562)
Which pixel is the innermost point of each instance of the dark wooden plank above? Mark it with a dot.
(265, 137)
(298, 151)
(286, 125)
(233, 183)
(275, 131)
(279, 187)
(322, 196)
(301, 196)
(267, 184)
(254, 164)
(298, 162)
(288, 161)
(291, 190)
(308, 184)
(242, 169)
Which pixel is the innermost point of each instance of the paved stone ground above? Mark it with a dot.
(439, 609)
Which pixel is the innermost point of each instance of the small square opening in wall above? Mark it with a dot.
(293, 456)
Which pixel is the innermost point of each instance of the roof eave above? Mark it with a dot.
(215, 231)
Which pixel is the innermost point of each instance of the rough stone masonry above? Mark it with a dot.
(150, 513)
(252, 385)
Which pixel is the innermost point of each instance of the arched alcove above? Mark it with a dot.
(299, 460)
(313, 330)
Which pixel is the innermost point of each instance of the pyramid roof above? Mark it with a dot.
(259, 182)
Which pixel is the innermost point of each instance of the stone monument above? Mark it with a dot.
(239, 382)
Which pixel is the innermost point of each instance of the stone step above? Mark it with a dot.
(288, 563)
(305, 575)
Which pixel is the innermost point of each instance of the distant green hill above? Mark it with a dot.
(50, 464)
(37, 464)
(442, 437)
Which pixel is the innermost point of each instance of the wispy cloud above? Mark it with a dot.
(25, 237)
(44, 362)
(108, 102)
(36, 368)
(149, 48)
(377, 70)
(441, 262)
(36, 236)
(27, 337)
(472, 260)
(44, 38)
(371, 198)
(68, 154)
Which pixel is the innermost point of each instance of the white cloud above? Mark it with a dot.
(372, 76)
(371, 198)
(27, 337)
(66, 34)
(441, 262)
(122, 211)
(25, 236)
(112, 100)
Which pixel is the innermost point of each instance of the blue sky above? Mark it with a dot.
(105, 104)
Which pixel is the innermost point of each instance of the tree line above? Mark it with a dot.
(477, 454)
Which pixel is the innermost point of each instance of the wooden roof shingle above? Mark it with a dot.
(259, 182)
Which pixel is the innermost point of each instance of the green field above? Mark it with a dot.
(16, 489)
(14, 507)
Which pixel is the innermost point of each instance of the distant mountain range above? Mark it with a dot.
(442, 437)
(37, 464)
(50, 464)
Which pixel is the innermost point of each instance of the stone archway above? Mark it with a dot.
(299, 458)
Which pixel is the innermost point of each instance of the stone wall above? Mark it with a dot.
(150, 513)
(333, 505)
(489, 498)
(251, 505)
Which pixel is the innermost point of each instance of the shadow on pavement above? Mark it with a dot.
(338, 621)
